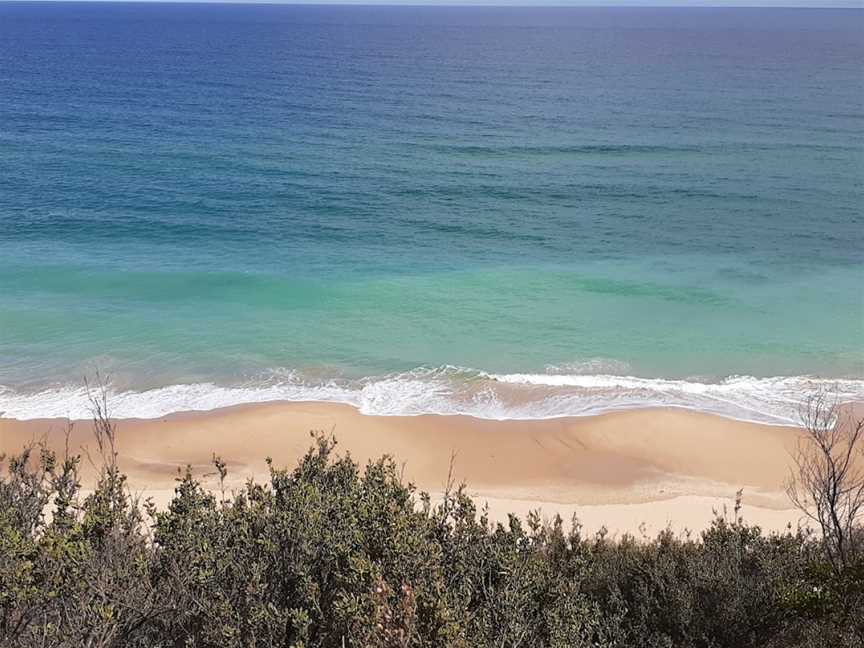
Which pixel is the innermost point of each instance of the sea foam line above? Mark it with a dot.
(451, 391)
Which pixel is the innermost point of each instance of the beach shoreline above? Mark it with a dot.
(634, 471)
(447, 390)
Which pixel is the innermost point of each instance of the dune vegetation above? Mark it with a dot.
(330, 553)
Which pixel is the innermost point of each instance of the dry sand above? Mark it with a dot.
(634, 471)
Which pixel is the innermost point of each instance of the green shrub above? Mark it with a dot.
(329, 555)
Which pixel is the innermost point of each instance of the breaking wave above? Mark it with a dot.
(454, 390)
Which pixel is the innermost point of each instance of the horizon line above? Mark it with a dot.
(682, 4)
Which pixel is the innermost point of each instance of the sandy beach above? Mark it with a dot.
(633, 471)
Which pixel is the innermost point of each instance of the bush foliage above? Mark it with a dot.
(332, 555)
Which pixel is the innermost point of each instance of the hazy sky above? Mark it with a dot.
(596, 3)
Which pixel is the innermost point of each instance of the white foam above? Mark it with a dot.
(452, 390)
(74, 402)
(773, 400)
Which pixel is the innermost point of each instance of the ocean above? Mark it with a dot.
(503, 212)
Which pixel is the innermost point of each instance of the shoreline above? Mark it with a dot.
(455, 391)
(634, 471)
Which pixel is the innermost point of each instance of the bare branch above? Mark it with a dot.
(827, 481)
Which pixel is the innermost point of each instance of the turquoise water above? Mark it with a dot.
(505, 212)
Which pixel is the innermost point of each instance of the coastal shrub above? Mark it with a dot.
(329, 554)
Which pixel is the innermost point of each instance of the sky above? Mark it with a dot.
(578, 3)
(590, 3)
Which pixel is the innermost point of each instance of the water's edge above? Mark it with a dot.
(456, 391)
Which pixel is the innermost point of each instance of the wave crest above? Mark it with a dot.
(454, 390)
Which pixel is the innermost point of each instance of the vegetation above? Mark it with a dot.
(328, 555)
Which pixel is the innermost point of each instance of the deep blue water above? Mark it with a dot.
(505, 211)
